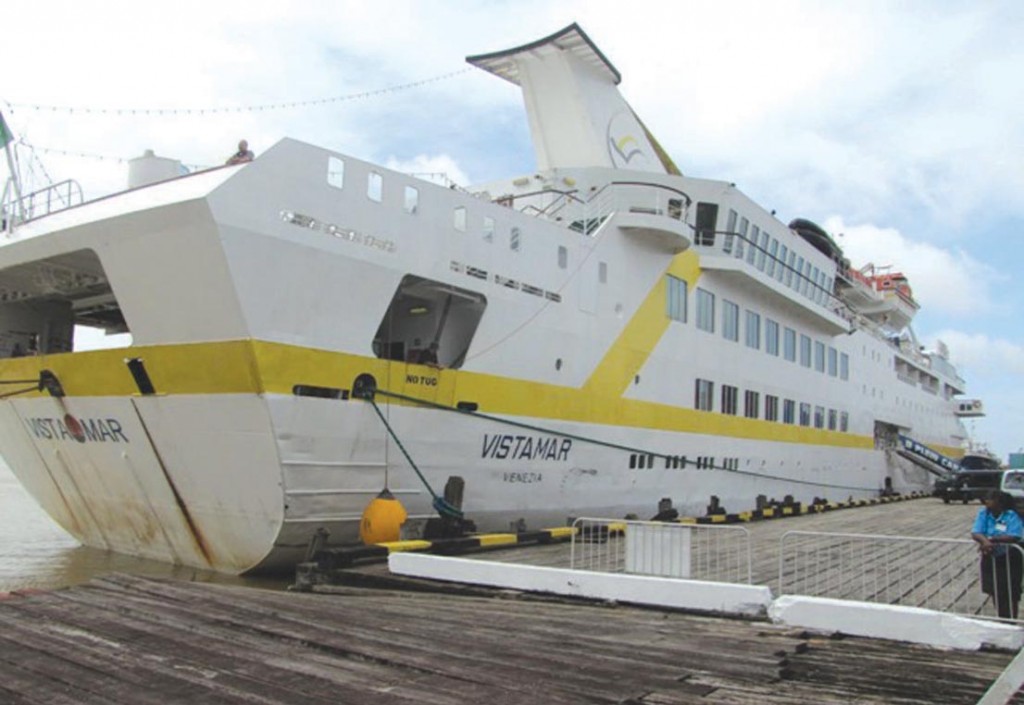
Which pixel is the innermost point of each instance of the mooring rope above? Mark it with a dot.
(440, 505)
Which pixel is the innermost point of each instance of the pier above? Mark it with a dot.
(124, 639)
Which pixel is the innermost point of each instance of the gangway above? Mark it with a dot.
(923, 456)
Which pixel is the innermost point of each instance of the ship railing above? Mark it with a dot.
(664, 549)
(55, 197)
(931, 573)
(735, 245)
(641, 197)
(586, 214)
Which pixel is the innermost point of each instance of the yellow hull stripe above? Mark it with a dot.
(257, 367)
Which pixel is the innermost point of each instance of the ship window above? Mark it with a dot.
(488, 229)
(844, 366)
(335, 172)
(705, 310)
(844, 421)
(761, 252)
(424, 311)
(771, 408)
(780, 269)
(755, 232)
(751, 243)
(797, 274)
(815, 288)
(730, 396)
(788, 411)
(514, 239)
(730, 321)
(771, 337)
(751, 404)
(412, 199)
(675, 304)
(602, 272)
(772, 249)
(563, 257)
(730, 231)
(819, 356)
(806, 284)
(805, 351)
(819, 417)
(707, 221)
(805, 414)
(832, 420)
(675, 208)
(741, 235)
(753, 330)
(789, 268)
(789, 344)
(375, 186)
(833, 361)
(704, 396)
(459, 219)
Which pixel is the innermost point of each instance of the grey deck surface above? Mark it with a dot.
(131, 640)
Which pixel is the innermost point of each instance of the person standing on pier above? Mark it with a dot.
(998, 530)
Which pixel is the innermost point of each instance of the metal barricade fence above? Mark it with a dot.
(697, 552)
(933, 573)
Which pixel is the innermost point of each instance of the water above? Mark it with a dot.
(36, 553)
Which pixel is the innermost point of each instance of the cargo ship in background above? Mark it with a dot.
(589, 338)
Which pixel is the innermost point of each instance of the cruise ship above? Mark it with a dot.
(588, 339)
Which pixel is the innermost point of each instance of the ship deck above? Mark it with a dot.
(125, 639)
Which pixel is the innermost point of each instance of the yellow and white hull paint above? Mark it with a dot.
(571, 356)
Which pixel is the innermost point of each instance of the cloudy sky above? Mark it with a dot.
(899, 125)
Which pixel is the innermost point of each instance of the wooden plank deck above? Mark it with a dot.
(132, 640)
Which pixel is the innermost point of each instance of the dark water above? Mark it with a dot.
(36, 553)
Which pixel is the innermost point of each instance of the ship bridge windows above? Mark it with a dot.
(424, 312)
(704, 395)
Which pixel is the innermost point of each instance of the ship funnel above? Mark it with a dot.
(577, 116)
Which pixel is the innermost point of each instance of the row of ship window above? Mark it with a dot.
(812, 353)
(411, 202)
(803, 413)
(744, 240)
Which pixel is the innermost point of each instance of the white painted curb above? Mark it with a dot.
(913, 624)
(749, 600)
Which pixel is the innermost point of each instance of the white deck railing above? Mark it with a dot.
(686, 551)
(932, 573)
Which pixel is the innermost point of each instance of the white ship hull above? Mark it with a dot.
(573, 347)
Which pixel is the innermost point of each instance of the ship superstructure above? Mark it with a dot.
(607, 333)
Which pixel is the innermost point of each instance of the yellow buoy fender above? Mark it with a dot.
(382, 519)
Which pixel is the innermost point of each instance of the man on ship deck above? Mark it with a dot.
(244, 154)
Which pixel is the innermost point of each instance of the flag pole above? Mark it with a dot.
(6, 138)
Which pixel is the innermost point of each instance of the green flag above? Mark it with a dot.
(5, 132)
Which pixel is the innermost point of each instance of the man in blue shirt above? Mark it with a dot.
(998, 530)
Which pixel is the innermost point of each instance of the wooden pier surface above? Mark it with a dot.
(137, 641)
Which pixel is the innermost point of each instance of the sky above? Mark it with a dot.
(899, 126)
